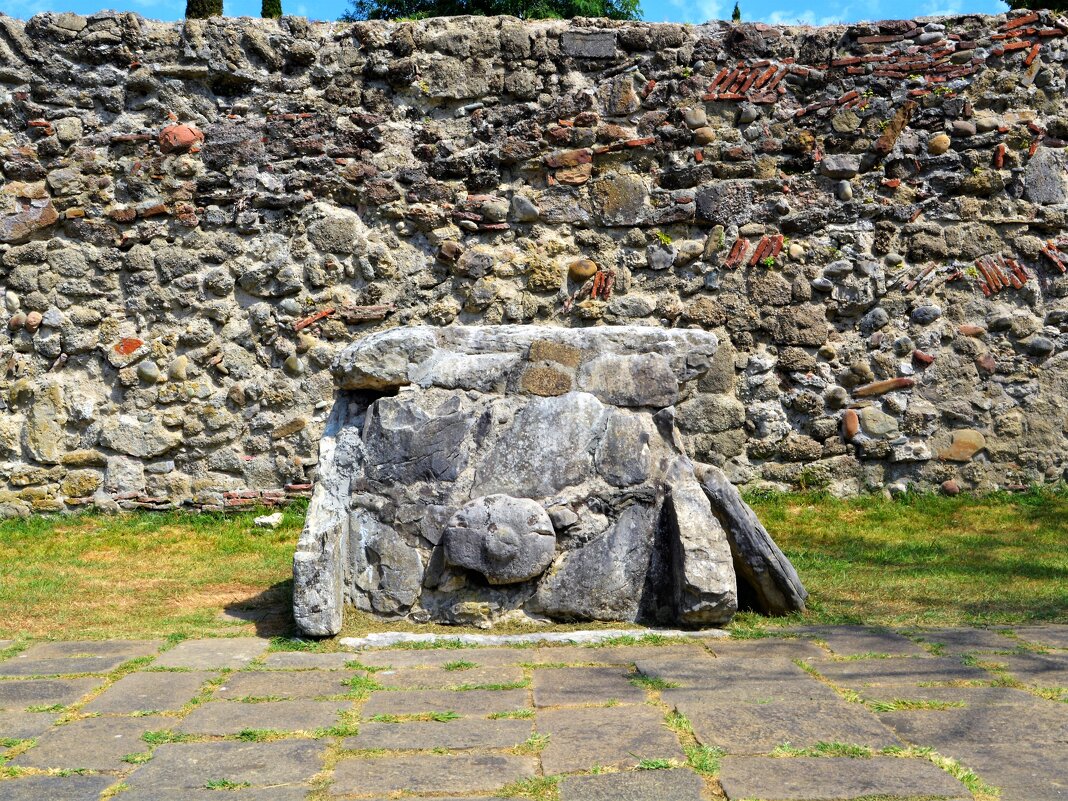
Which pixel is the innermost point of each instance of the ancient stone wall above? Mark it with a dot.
(196, 217)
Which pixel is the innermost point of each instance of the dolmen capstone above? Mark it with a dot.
(470, 474)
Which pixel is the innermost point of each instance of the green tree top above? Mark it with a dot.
(524, 9)
(270, 9)
(736, 15)
(1052, 5)
(202, 9)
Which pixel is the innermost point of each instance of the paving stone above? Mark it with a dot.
(93, 743)
(232, 717)
(768, 648)
(456, 735)
(468, 703)
(151, 691)
(836, 779)
(644, 785)
(437, 679)
(1040, 670)
(5, 644)
(1022, 771)
(178, 766)
(128, 649)
(24, 725)
(585, 738)
(741, 681)
(55, 788)
(969, 640)
(45, 692)
(234, 652)
(22, 666)
(760, 728)
(431, 773)
(302, 660)
(436, 657)
(584, 685)
(874, 672)
(611, 655)
(1036, 721)
(970, 696)
(294, 793)
(283, 686)
(1049, 636)
(854, 640)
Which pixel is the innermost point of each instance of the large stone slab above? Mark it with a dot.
(128, 649)
(469, 703)
(233, 717)
(421, 679)
(270, 685)
(45, 692)
(907, 670)
(966, 639)
(23, 665)
(55, 788)
(92, 743)
(1023, 771)
(19, 725)
(644, 785)
(581, 685)
(178, 767)
(585, 738)
(304, 660)
(1040, 670)
(455, 735)
(422, 774)
(859, 640)
(1049, 636)
(761, 727)
(836, 779)
(737, 679)
(154, 691)
(233, 653)
(438, 657)
(1036, 721)
(294, 793)
(768, 648)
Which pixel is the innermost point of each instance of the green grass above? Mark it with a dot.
(924, 559)
(653, 683)
(459, 664)
(515, 714)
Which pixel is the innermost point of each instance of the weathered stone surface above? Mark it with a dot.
(235, 652)
(629, 735)
(836, 778)
(233, 717)
(578, 505)
(584, 685)
(1046, 177)
(909, 670)
(17, 725)
(461, 774)
(179, 767)
(506, 539)
(145, 692)
(466, 703)
(45, 692)
(965, 444)
(269, 684)
(859, 640)
(56, 788)
(649, 785)
(91, 744)
(455, 735)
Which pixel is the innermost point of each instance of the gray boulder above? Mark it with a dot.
(506, 539)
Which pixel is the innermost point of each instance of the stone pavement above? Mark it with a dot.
(828, 713)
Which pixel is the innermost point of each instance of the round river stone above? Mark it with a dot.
(506, 539)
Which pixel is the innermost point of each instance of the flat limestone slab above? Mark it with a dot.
(437, 657)
(294, 793)
(641, 785)
(456, 735)
(188, 766)
(234, 652)
(283, 686)
(93, 743)
(580, 685)
(304, 660)
(740, 681)
(624, 655)
(468, 703)
(233, 717)
(1043, 721)
(906, 670)
(836, 779)
(767, 648)
(55, 788)
(435, 679)
(760, 728)
(1040, 670)
(431, 773)
(45, 692)
(20, 665)
(1023, 771)
(128, 649)
(969, 696)
(855, 640)
(24, 725)
(1053, 636)
(148, 692)
(585, 738)
(967, 639)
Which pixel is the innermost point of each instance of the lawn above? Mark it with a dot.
(914, 560)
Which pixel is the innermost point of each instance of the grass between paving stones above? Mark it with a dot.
(912, 560)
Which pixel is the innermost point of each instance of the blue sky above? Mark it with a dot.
(786, 12)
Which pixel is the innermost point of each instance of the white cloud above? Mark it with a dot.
(804, 17)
